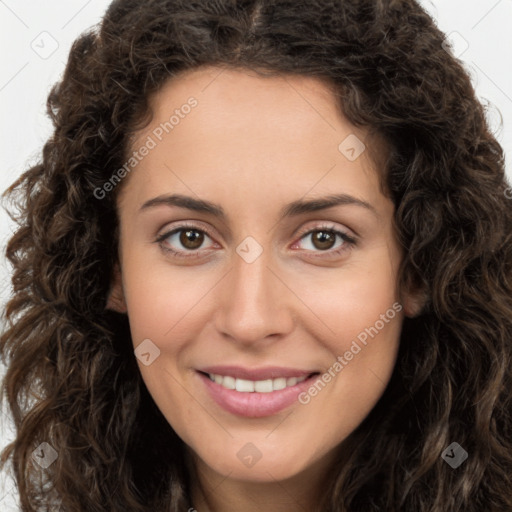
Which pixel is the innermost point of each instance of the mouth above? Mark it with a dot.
(256, 386)
(268, 392)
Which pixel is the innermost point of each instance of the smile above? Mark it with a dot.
(254, 393)
(255, 386)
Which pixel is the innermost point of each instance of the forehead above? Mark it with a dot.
(217, 84)
(247, 131)
(246, 104)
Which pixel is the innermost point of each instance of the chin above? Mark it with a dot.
(265, 469)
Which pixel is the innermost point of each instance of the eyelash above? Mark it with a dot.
(349, 240)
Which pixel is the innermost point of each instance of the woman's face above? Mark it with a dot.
(268, 284)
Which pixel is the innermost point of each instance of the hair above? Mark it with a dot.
(72, 379)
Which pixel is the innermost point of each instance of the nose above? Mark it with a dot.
(255, 305)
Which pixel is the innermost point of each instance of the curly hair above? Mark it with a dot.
(72, 379)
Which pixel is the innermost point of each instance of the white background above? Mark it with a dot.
(30, 30)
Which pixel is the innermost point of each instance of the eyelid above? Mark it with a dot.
(327, 226)
(194, 224)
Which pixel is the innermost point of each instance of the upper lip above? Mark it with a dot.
(268, 372)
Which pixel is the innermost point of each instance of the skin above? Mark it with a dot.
(252, 145)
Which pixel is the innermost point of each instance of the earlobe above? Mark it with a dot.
(413, 306)
(115, 299)
(414, 300)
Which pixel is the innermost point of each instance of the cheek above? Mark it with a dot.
(357, 376)
(364, 316)
(162, 300)
(365, 344)
(354, 300)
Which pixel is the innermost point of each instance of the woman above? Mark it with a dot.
(265, 262)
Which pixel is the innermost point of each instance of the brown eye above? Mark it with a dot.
(323, 240)
(186, 241)
(191, 238)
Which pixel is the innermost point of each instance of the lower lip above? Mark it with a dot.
(254, 405)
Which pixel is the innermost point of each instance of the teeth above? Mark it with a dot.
(263, 386)
(228, 382)
(258, 386)
(245, 386)
(278, 384)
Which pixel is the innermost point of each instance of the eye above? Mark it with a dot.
(323, 239)
(186, 240)
(189, 237)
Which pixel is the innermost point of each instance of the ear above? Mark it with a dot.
(115, 299)
(414, 298)
(413, 304)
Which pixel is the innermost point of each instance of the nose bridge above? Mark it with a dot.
(254, 303)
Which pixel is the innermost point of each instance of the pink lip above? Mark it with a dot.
(253, 405)
(269, 372)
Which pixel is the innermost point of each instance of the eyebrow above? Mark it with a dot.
(292, 209)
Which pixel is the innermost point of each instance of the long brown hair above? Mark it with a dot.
(72, 380)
